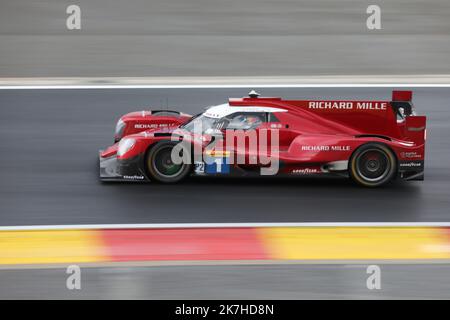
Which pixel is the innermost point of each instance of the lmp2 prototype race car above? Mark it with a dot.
(372, 142)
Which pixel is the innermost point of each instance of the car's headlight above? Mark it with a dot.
(120, 126)
(125, 145)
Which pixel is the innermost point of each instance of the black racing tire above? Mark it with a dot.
(373, 165)
(160, 167)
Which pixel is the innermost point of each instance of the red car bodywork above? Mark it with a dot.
(139, 121)
(315, 136)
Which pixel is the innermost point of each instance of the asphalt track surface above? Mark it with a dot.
(223, 38)
(230, 282)
(49, 169)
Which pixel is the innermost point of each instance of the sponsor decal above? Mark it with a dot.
(411, 164)
(135, 177)
(199, 167)
(411, 154)
(347, 105)
(416, 129)
(151, 125)
(305, 171)
(326, 148)
(218, 153)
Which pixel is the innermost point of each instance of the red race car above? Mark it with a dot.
(373, 142)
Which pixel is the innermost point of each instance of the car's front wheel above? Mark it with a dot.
(373, 165)
(162, 167)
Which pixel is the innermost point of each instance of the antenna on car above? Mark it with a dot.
(253, 94)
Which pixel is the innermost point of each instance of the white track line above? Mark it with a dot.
(203, 263)
(246, 86)
(222, 225)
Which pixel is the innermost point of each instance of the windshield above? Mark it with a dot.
(200, 123)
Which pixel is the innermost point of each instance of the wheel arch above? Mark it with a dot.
(145, 155)
(148, 150)
(376, 142)
(379, 143)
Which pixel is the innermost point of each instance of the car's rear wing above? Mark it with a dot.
(402, 103)
(412, 126)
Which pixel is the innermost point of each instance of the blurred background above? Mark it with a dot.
(223, 38)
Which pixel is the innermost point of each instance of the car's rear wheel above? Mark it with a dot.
(162, 168)
(373, 165)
